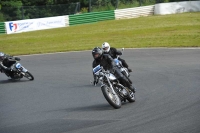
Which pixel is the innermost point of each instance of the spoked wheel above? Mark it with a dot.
(29, 76)
(131, 96)
(113, 99)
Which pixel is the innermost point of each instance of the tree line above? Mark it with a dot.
(11, 10)
(26, 9)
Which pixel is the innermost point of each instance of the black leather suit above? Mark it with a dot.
(7, 62)
(114, 52)
(108, 64)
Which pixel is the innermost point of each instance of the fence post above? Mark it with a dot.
(89, 6)
(22, 12)
(140, 2)
(116, 6)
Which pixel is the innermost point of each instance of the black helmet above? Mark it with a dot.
(97, 52)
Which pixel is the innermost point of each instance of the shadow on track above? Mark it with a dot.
(12, 81)
(99, 107)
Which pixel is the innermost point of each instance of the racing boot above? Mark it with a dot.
(129, 70)
(126, 83)
(132, 88)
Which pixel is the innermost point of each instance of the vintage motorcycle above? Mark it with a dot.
(123, 69)
(113, 91)
(17, 72)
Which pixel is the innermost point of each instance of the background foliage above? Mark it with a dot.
(11, 10)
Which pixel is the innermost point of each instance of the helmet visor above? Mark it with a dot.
(96, 55)
(105, 48)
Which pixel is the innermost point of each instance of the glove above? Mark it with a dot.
(17, 58)
(119, 53)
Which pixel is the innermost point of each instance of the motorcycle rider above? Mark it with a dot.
(107, 62)
(113, 52)
(6, 61)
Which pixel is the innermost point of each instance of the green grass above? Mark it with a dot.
(177, 30)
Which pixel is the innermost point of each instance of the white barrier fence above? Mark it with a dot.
(177, 7)
(134, 12)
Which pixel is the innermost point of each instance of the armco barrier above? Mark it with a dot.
(91, 17)
(2, 28)
(134, 12)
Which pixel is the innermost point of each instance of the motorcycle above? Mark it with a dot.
(123, 69)
(114, 92)
(17, 72)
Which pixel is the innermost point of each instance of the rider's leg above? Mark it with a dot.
(125, 64)
(123, 80)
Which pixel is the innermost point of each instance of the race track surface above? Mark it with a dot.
(62, 100)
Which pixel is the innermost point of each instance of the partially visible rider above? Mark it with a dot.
(107, 62)
(6, 61)
(113, 52)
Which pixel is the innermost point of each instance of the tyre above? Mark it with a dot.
(113, 99)
(131, 96)
(29, 76)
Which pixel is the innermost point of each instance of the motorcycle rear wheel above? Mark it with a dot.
(113, 99)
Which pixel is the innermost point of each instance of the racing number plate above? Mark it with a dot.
(20, 67)
(97, 69)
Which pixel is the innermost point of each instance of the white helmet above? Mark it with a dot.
(106, 47)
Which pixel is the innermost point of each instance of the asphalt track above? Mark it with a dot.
(62, 100)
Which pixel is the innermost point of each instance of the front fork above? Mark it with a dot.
(110, 85)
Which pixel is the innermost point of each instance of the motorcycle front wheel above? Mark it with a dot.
(29, 76)
(113, 99)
